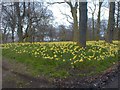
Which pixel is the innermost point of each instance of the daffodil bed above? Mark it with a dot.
(60, 59)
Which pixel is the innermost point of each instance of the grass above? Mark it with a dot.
(63, 59)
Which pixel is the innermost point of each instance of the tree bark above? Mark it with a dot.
(13, 25)
(83, 23)
(19, 18)
(118, 18)
(111, 22)
(93, 29)
(13, 29)
(30, 23)
(98, 22)
(75, 20)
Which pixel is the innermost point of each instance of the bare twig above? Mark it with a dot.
(67, 17)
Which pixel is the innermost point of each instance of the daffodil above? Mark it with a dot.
(63, 60)
(81, 60)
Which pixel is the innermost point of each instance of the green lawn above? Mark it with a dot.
(63, 59)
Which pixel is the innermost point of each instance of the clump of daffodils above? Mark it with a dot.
(66, 52)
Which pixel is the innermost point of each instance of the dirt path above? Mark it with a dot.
(16, 75)
(114, 83)
(12, 78)
(110, 79)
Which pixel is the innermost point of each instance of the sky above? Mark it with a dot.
(60, 9)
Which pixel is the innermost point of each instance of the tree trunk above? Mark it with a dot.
(4, 35)
(111, 22)
(13, 28)
(98, 23)
(93, 29)
(118, 18)
(19, 18)
(83, 23)
(75, 26)
(13, 35)
(30, 32)
(75, 20)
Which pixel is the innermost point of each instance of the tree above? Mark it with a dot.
(75, 20)
(111, 22)
(20, 19)
(117, 21)
(9, 19)
(26, 18)
(98, 22)
(93, 21)
(74, 16)
(83, 23)
(89, 30)
(30, 32)
(62, 33)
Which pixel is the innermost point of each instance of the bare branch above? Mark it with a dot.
(55, 3)
(67, 16)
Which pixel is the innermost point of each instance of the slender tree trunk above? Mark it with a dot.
(83, 23)
(93, 29)
(13, 28)
(4, 35)
(111, 22)
(98, 22)
(30, 23)
(13, 35)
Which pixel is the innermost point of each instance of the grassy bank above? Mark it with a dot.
(63, 59)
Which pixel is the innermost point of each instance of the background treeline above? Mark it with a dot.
(32, 22)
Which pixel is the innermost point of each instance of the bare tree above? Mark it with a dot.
(25, 18)
(93, 14)
(74, 16)
(118, 22)
(75, 20)
(62, 33)
(9, 18)
(98, 22)
(111, 22)
(20, 19)
(89, 29)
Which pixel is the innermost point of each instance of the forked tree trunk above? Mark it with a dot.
(75, 20)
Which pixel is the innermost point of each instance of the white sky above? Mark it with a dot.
(64, 8)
